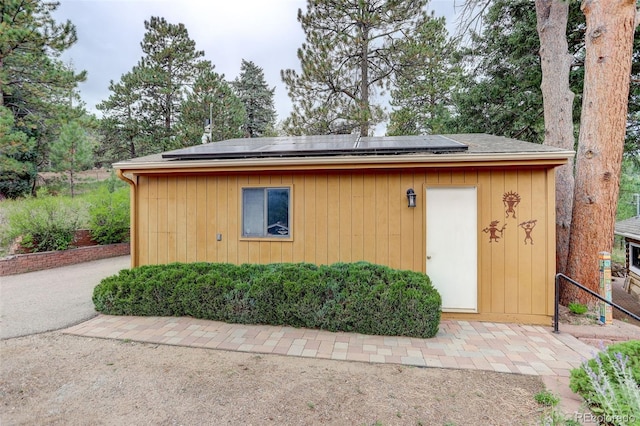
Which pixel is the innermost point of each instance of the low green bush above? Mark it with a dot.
(45, 223)
(109, 215)
(358, 297)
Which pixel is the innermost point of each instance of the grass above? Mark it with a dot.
(552, 416)
(578, 308)
(546, 398)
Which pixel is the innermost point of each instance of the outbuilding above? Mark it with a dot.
(475, 212)
(629, 229)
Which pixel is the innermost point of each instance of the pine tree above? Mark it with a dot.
(210, 99)
(145, 104)
(167, 67)
(427, 75)
(121, 126)
(34, 85)
(257, 98)
(503, 95)
(347, 57)
(72, 152)
(17, 168)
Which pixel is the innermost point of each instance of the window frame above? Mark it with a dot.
(632, 267)
(266, 236)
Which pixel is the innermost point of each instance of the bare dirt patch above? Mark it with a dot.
(591, 317)
(54, 378)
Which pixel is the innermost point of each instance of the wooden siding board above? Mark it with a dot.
(222, 203)
(396, 204)
(345, 214)
(457, 177)
(162, 205)
(212, 222)
(181, 214)
(233, 220)
(200, 229)
(153, 220)
(510, 243)
(406, 223)
(382, 219)
(192, 210)
(369, 217)
(298, 218)
(357, 216)
(243, 246)
(444, 177)
(309, 226)
(333, 218)
(496, 248)
(321, 235)
(485, 286)
(420, 222)
(525, 248)
(143, 222)
(287, 247)
(543, 265)
(172, 220)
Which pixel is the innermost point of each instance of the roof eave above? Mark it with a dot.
(549, 158)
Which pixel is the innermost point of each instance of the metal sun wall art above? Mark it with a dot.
(510, 200)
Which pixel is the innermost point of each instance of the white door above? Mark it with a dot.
(452, 246)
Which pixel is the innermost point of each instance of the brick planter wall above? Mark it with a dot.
(21, 263)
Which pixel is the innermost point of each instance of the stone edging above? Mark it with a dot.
(21, 263)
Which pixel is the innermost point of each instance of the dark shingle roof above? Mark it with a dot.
(629, 227)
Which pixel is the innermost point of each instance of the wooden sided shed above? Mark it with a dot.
(475, 212)
(629, 229)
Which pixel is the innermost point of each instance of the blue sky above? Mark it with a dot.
(263, 31)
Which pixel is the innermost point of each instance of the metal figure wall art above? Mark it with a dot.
(511, 200)
(493, 231)
(528, 228)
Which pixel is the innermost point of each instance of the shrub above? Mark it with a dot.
(577, 308)
(109, 215)
(610, 382)
(45, 223)
(358, 297)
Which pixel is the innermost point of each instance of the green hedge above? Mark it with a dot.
(357, 297)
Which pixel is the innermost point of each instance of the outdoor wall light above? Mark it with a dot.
(411, 197)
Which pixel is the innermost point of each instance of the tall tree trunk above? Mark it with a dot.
(555, 60)
(365, 115)
(71, 183)
(608, 43)
(1, 85)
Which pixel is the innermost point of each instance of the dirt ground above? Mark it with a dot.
(53, 378)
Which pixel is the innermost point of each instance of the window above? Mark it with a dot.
(265, 212)
(634, 258)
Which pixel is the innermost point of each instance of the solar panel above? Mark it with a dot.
(317, 146)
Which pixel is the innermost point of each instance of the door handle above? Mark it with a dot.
(428, 257)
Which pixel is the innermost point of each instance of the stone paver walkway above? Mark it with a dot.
(504, 348)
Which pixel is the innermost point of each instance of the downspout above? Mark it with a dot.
(133, 232)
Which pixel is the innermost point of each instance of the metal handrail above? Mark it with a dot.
(556, 314)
